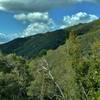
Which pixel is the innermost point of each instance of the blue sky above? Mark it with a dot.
(19, 18)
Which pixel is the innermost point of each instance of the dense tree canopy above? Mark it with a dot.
(66, 73)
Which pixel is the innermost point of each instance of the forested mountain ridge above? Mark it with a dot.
(69, 72)
(32, 46)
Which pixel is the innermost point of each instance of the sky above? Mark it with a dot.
(21, 18)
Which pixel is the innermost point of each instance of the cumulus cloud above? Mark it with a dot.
(4, 37)
(35, 12)
(35, 28)
(39, 23)
(36, 5)
(2, 34)
(33, 17)
(80, 17)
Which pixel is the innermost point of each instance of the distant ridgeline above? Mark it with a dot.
(37, 45)
(69, 70)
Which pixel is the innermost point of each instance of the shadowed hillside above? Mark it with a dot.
(32, 46)
(70, 72)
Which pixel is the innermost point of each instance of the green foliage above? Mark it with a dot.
(14, 77)
(71, 72)
(42, 52)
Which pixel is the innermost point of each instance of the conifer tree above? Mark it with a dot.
(74, 58)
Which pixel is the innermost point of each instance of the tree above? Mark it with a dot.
(46, 71)
(14, 78)
(73, 48)
(74, 59)
(96, 48)
(93, 75)
(42, 52)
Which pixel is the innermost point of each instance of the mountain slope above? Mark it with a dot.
(70, 72)
(31, 46)
(76, 72)
(34, 44)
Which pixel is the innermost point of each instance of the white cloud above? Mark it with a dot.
(4, 37)
(36, 5)
(33, 17)
(45, 23)
(2, 34)
(39, 23)
(35, 28)
(81, 17)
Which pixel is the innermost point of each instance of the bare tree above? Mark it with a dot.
(45, 68)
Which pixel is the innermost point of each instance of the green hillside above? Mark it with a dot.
(32, 46)
(70, 70)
